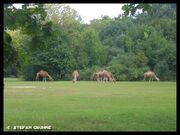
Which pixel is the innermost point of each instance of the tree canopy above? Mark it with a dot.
(52, 37)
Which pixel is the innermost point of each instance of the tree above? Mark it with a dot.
(10, 53)
(30, 16)
(130, 9)
(60, 42)
(61, 14)
(19, 42)
(93, 48)
(28, 19)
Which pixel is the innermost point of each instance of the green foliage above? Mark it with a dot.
(132, 8)
(93, 47)
(29, 73)
(119, 71)
(10, 53)
(85, 74)
(53, 37)
(167, 11)
(129, 66)
(28, 19)
(58, 61)
(20, 42)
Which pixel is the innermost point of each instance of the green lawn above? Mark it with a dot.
(90, 106)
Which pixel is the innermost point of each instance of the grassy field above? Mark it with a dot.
(90, 106)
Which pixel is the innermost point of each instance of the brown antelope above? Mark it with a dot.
(75, 76)
(151, 75)
(43, 74)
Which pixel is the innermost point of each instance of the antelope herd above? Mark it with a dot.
(99, 76)
(103, 75)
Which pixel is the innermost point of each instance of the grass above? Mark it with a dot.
(90, 106)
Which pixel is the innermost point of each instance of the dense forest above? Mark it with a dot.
(54, 38)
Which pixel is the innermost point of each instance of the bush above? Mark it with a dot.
(29, 73)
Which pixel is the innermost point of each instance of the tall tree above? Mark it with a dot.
(28, 19)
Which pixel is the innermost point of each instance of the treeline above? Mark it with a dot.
(53, 37)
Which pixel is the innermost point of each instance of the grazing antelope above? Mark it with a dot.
(43, 74)
(151, 75)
